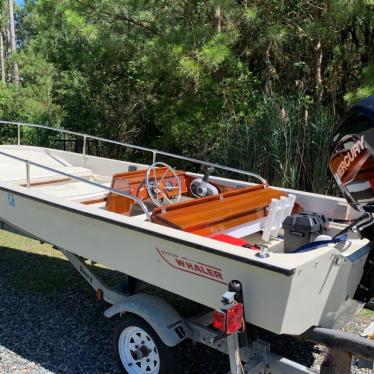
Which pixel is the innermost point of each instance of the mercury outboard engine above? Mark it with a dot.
(352, 164)
(352, 158)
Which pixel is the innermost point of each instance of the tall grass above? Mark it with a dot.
(287, 143)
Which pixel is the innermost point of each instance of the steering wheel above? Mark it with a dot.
(160, 190)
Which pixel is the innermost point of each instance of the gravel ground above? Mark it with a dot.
(51, 323)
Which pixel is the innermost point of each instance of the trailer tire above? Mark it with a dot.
(138, 349)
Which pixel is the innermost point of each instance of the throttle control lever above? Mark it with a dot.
(208, 171)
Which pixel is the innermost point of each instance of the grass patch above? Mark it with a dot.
(13, 241)
(33, 267)
(366, 313)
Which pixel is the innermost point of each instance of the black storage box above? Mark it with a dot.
(302, 228)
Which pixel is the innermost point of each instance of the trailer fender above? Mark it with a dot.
(160, 315)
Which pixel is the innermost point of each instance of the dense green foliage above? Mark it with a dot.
(257, 84)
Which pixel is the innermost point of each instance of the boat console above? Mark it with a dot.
(171, 185)
(187, 202)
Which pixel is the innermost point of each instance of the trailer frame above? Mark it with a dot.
(247, 357)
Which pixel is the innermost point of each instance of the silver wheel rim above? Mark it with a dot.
(153, 185)
(138, 351)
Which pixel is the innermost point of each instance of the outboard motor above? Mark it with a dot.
(352, 164)
(352, 158)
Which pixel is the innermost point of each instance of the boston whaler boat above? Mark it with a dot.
(290, 262)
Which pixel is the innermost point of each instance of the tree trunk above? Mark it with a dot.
(318, 53)
(13, 39)
(2, 62)
(367, 56)
(217, 18)
(2, 52)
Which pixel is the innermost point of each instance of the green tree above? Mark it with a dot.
(255, 84)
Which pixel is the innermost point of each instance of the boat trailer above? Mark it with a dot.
(228, 334)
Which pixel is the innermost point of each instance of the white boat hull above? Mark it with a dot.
(285, 294)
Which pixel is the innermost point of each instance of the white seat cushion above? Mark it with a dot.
(75, 191)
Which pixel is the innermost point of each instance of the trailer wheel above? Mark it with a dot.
(139, 350)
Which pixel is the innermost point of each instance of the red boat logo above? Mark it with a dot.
(191, 266)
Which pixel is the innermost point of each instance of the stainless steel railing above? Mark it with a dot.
(154, 152)
(29, 163)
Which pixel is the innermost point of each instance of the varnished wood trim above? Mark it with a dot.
(205, 199)
(94, 201)
(33, 184)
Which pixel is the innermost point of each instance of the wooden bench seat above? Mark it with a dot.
(217, 213)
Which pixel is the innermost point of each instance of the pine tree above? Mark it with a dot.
(2, 55)
(12, 35)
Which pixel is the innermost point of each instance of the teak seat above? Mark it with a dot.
(217, 213)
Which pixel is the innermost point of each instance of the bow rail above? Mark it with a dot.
(154, 152)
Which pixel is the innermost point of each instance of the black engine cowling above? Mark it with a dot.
(352, 156)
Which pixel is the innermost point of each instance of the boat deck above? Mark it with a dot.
(50, 182)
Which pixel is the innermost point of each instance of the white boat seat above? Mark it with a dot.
(75, 191)
(40, 156)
